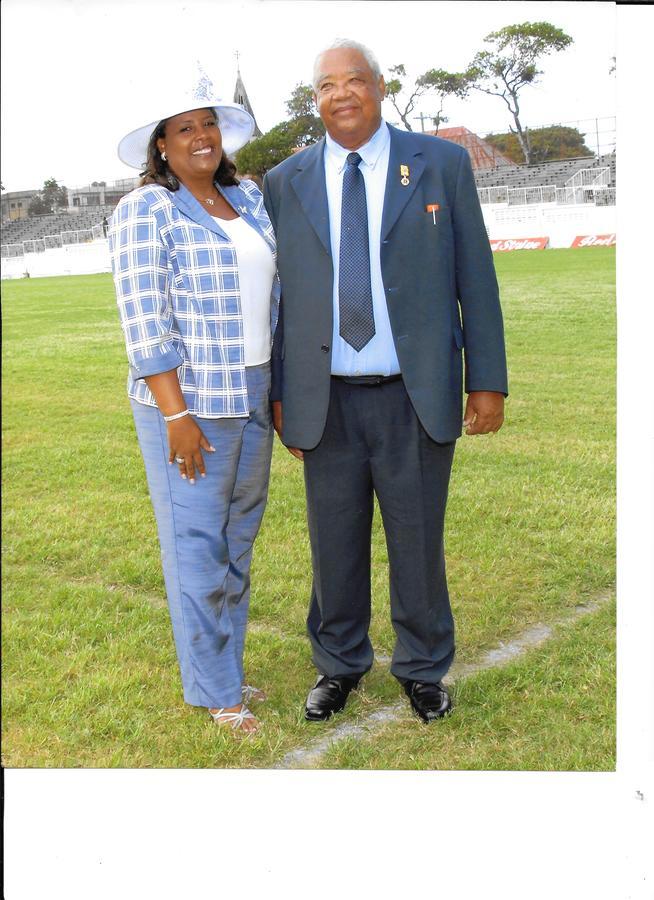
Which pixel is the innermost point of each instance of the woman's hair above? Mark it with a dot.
(157, 170)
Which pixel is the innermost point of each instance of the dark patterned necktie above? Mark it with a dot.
(357, 323)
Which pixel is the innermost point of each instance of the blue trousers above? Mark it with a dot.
(206, 533)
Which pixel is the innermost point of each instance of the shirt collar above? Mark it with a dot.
(369, 152)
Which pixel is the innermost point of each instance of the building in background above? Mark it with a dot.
(482, 154)
(15, 205)
(100, 193)
(241, 96)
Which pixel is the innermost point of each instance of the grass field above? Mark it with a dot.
(90, 675)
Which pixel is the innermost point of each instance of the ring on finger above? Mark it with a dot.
(180, 460)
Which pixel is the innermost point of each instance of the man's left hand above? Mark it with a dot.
(484, 412)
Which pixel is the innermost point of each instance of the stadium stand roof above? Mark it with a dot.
(482, 154)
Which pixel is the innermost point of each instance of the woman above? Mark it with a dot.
(193, 257)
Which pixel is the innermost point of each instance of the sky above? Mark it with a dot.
(92, 70)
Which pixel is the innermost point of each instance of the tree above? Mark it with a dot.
(552, 142)
(50, 198)
(436, 81)
(301, 102)
(261, 154)
(303, 128)
(511, 64)
(306, 124)
(446, 84)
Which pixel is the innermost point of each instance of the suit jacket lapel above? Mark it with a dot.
(311, 189)
(186, 203)
(403, 153)
(245, 206)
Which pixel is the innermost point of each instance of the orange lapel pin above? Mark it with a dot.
(433, 209)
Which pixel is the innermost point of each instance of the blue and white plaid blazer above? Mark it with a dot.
(176, 277)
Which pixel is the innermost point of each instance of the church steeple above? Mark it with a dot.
(241, 96)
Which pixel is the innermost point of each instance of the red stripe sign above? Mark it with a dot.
(531, 243)
(594, 240)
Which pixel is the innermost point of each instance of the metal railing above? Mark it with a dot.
(9, 251)
(590, 178)
(588, 186)
(53, 242)
(521, 196)
(585, 186)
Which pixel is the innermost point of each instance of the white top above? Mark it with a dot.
(256, 270)
(378, 357)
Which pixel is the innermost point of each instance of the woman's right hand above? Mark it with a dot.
(186, 442)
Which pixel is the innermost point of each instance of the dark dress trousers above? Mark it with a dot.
(395, 440)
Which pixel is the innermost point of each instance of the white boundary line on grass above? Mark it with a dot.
(307, 756)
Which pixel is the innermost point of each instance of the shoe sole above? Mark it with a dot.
(435, 717)
(313, 718)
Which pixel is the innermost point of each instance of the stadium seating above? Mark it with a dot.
(556, 172)
(40, 226)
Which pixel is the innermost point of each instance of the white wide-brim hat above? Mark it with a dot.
(235, 122)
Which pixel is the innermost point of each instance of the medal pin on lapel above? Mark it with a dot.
(433, 209)
(404, 172)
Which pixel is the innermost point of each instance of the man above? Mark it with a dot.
(381, 250)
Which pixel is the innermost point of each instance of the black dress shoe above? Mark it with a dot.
(328, 696)
(429, 701)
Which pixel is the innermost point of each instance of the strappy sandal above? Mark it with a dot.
(233, 719)
(251, 693)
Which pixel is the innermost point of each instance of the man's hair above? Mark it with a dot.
(347, 44)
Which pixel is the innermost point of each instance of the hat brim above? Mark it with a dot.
(235, 123)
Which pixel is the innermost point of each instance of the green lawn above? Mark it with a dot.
(90, 675)
(547, 711)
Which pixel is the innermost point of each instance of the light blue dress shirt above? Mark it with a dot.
(378, 357)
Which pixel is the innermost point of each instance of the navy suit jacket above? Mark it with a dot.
(440, 285)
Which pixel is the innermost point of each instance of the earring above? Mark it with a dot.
(163, 156)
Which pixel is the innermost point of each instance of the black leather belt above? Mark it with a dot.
(370, 380)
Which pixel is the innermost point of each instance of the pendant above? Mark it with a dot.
(210, 201)
(404, 172)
